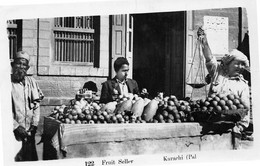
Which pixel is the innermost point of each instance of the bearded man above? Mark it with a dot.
(26, 96)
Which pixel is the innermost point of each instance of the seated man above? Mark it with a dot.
(120, 84)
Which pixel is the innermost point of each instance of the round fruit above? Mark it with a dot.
(204, 108)
(210, 109)
(113, 118)
(225, 108)
(165, 114)
(101, 118)
(119, 116)
(202, 101)
(225, 98)
(72, 122)
(104, 113)
(88, 117)
(75, 117)
(155, 121)
(91, 122)
(231, 97)
(79, 111)
(177, 104)
(178, 121)
(218, 108)
(170, 116)
(169, 121)
(133, 118)
(67, 120)
(84, 122)
(182, 114)
(170, 108)
(78, 122)
(98, 113)
(74, 112)
(126, 118)
(175, 111)
(220, 95)
(236, 101)
(209, 99)
(241, 106)
(159, 117)
(207, 103)
(214, 103)
(162, 121)
(182, 108)
(173, 97)
(81, 116)
(229, 103)
(216, 99)
(86, 111)
(222, 102)
(177, 116)
(171, 103)
(188, 109)
(95, 118)
(70, 116)
(233, 107)
(212, 95)
(191, 119)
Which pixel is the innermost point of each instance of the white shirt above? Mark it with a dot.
(123, 87)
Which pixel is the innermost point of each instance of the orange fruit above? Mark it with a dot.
(229, 103)
(236, 101)
(225, 108)
(212, 95)
(74, 112)
(216, 99)
(171, 103)
(214, 103)
(222, 102)
(233, 107)
(231, 97)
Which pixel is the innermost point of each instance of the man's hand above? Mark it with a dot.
(20, 133)
(32, 130)
(202, 36)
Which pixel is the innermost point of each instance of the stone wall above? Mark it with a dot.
(60, 82)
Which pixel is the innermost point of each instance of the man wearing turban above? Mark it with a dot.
(226, 76)
(26, 96)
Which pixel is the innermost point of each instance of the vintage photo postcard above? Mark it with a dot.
(122, 83)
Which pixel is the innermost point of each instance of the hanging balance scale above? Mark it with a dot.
(198, 81)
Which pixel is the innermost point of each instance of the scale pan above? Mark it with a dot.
(197, 85)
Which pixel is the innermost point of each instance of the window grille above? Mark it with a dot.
(12, 36)
(74, 39)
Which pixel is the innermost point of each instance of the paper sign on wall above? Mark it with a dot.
(216, 29)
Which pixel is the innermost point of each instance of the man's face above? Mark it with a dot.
(122, 72)
(20, 67)
(235, 68)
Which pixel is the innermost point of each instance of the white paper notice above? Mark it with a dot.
(216, 29)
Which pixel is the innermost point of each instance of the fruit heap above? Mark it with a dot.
(217, 105)
(171, 110)
(135, 109)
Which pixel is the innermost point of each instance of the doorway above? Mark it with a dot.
(159, 52)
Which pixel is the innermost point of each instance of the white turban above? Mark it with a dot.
(235, 55)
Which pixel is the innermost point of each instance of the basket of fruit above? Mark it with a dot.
(216, 108)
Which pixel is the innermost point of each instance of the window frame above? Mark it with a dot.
(96, 50)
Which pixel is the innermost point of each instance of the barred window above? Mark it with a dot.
(14, 36)
(75, 39)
